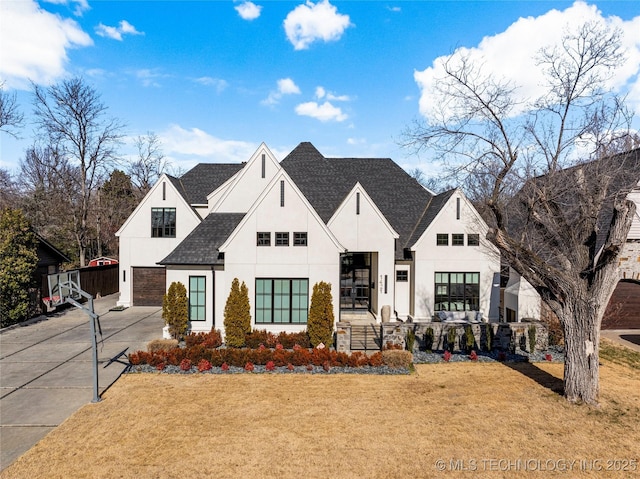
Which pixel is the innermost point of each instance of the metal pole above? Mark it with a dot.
(94, 347)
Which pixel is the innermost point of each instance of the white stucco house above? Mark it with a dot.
(362, 224)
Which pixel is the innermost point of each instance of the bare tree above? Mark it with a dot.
(8, 190)
(10, 116)
(150, 164)
(72, 119)
(565, 228)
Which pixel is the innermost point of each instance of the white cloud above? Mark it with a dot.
(310, 22)
(81, 5)
(115, 33)
(186, 147)
(248, 10)
(510, 54)
(394, 9)
(286, 86)
(35, 43)
(218, 83)
(149, 77)
(323, 112)
(322, 93)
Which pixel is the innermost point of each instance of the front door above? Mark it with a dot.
(355, 281)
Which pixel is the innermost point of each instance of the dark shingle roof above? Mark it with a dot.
(201, 246)
(203, 179)
(325, 182)
(435, 205)
(324, 187)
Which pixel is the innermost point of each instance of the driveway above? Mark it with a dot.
(46, 371)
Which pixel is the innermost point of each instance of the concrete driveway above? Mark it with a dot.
(46, 371)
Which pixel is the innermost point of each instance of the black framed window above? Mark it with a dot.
(457, 239)
(442, 239)
(197, 298)
(473, 239)
(264, 238)
(402, 276)
(282, 238)
(300, 238)
(163, 222)
(282, 301)
(457, 291)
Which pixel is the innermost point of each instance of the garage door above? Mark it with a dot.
(623, 311)
(148, 286)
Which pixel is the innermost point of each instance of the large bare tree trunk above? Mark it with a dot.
(581, 326)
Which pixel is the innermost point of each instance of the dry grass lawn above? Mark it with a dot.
(166, 426)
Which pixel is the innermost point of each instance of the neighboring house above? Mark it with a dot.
(50, 261)
(102, 261)
(363, 225)
(521, 301)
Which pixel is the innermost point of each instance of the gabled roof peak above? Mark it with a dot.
(305, 151)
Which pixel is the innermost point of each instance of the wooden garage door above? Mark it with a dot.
(623, 310)
(148, 286)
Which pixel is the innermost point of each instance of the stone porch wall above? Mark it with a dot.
(504, 336)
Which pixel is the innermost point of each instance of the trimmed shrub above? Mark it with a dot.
(237, 315)
(428, 339)
(469, 338)
(532, 338)
(185, 364)
(260, 337)
(211, 340)
(175, 311)
(395, 358)
(410, 340)
(488, 337)
(452, 335)
(320, 321)
(161, 345)
(204, 365)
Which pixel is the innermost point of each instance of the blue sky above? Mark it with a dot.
(214, 79)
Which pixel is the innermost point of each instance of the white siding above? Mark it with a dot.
(430, 258)
(319, 261)
(137, 247)
(366, 230)
(248, 184)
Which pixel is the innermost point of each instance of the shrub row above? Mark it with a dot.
(255, 338)
(279, 357)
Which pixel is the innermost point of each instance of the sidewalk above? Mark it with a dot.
(46, 371)
(614, 335)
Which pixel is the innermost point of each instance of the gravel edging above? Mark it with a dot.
(555, 353)
(261, 369)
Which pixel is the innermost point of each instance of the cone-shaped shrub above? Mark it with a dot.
(320, 321)
(237, 315)
(175, 310)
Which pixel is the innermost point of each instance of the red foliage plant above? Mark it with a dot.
(210, 340)
(270, 366)
(204, 365)
(248, 367)
(446, 356)
(224, 367)
(473, 356)
(185, 364)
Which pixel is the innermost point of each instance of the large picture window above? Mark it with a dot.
(163, 222)
(282, 301)
(457, 292)
(197, 298)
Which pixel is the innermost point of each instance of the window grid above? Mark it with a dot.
(457, 291)
(473, 240)
(197, 298)
(282, 301)
(264, 238)
(163, 222)
(402, 276)
(282, 238)
(457, 239)
(300, 238)
(442, 239)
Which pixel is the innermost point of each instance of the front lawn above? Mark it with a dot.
(498, 419)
